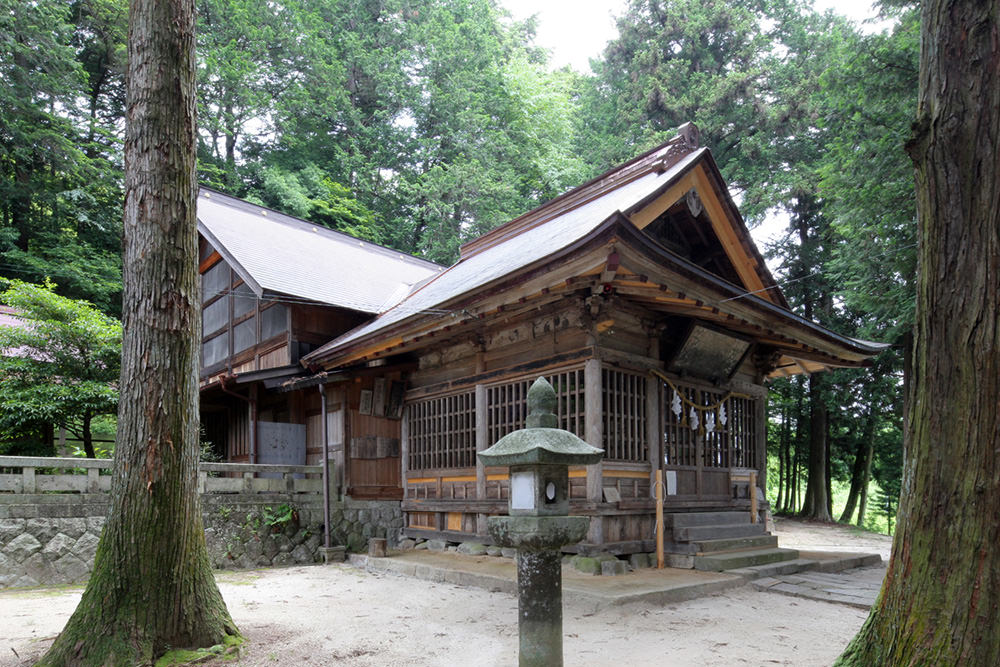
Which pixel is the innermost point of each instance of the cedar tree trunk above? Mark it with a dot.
(152, 587)
(816, 506)
(940, 603)
(862, 466)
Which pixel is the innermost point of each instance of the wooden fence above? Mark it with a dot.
(73, 475)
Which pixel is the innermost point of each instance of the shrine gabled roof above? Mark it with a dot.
(277, 254)
(664, 174)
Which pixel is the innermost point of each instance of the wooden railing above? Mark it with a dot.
(73, 475)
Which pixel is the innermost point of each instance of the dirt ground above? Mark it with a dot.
(339, 615)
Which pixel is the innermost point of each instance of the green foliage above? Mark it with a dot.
(61, 367)
(59, 167)
(278, 517)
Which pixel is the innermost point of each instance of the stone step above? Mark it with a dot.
(735, 544)
(806, 563)
(742, 559)
(717, 532)
(775, 569)
(681, 519)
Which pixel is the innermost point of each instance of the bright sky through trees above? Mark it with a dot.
(576, 31)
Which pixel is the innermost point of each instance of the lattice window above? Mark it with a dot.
(507, 405)
(442, 432)
(729, 445)
(624, 414)
(743, 432)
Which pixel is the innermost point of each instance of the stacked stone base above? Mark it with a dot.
(51, 539)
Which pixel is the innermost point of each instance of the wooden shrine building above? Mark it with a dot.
(639, 294)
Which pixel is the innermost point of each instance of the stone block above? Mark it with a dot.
(333, 554)
(680, 561)
(420, 546)
(315, 539)
(494, 551)
(269, 548)
(508, 552)
(86, 547)
(302, 555)
(472, 549)
(10, 528)
(613, 568)
(355, 542)
(95, 524)
(407, 544)
(25, 581)
(437, 545)
(22, 547)
(377, 547)
(71, 569)
(43, 529)
(284, 543)
(283, 559)
(58, 546)
(39, 569)
(587, 565)
(24, 512)
(638, 561)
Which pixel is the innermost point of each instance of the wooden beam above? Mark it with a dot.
(651, 211)
(745, 265)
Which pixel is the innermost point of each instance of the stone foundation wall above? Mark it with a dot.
(49, 539)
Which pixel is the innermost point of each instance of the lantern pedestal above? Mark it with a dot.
(539, 457)
(538, 540)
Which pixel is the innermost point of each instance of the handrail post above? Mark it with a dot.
(28, 480)
(325, 437)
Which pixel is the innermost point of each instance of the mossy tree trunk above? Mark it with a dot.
(940, 603)
(152, 587)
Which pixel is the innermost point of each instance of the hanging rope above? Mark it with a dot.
(696, 414)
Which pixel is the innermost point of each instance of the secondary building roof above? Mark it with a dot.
(277, 254)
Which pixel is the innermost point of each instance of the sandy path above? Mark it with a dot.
(341, 616)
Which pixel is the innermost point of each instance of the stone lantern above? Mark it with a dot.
(539, 457)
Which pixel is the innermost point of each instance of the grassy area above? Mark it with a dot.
(875, 519)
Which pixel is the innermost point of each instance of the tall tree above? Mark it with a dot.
(152, 587)
(939, 602)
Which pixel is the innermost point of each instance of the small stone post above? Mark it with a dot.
(539, 457)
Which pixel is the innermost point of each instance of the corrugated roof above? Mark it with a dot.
(520, 250)
(278, 254)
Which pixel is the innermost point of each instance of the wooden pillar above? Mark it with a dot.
(593, 415)
(654, 431)
(593, 412)
(404, 451)
(760, 435)
(482, 443)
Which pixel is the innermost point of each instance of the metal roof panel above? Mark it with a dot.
(285, 255)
